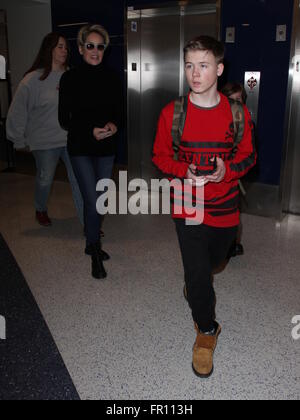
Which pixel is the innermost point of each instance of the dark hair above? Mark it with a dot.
(234, 87)
(206, 43)
(44, 58)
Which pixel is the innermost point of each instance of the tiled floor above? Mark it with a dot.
(131, 336)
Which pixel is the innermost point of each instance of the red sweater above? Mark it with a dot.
(208, 133)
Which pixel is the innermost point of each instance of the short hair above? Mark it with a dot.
(87, 30)
(206, 43)
(234, 87)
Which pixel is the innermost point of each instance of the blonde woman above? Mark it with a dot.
(90, 110)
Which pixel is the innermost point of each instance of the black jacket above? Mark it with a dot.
(90, 97)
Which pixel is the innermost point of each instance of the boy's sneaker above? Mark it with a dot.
(43, 218)
(203, 353)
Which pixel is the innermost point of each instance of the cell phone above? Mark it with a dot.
(206, 172)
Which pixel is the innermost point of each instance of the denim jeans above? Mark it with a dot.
(89, 170)
(46, 163)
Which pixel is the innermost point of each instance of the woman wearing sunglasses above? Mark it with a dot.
(32, 122)
(90, 109)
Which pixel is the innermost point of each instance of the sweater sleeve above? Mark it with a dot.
(65, 100)
(18, 114)
(115, 103)
(245, 157)
(163, 147)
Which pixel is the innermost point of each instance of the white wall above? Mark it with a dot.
(28, 22)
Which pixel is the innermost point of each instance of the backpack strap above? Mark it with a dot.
(238, 116)
(179, 119)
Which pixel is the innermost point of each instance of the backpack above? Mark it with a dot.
(179, 118)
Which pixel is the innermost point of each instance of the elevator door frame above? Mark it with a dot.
(289, 202)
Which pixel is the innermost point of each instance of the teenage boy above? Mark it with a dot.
(207, 138)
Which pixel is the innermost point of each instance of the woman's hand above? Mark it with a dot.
(103, 133)
(112, 128)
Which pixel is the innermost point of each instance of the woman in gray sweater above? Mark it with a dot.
(32, 122)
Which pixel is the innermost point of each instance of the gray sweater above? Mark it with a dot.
(33, 116)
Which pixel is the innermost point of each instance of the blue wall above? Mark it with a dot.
(255, 50)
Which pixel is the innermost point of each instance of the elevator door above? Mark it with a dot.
(4, 85)
(156, 38)
(290, 177)
(160, 58)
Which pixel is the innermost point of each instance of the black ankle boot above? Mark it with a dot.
(102, 254)
(98, 270)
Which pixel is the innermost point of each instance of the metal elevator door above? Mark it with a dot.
(160, 57)
(156, 38)
(290, 176)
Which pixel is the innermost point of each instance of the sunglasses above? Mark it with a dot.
(90, 46)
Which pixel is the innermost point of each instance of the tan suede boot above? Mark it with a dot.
(203, 353)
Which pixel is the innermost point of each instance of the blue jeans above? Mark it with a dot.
(89, 170)
(46, 164)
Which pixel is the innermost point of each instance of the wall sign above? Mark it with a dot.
(134, 27)
(230, 35)
(252, 86)
(281, 33)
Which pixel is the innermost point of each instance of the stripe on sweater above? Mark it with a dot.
(206, 145)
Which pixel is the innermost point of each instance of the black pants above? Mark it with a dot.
(203, 249)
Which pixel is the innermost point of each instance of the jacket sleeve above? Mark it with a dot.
(163, 147)
(65, 100)
(18, 114)
(245, 157)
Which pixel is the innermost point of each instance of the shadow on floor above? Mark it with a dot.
(61, 229)
(31, 365)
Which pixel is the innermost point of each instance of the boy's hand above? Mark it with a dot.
(197, 181)
(217, 177)
(220, 173)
